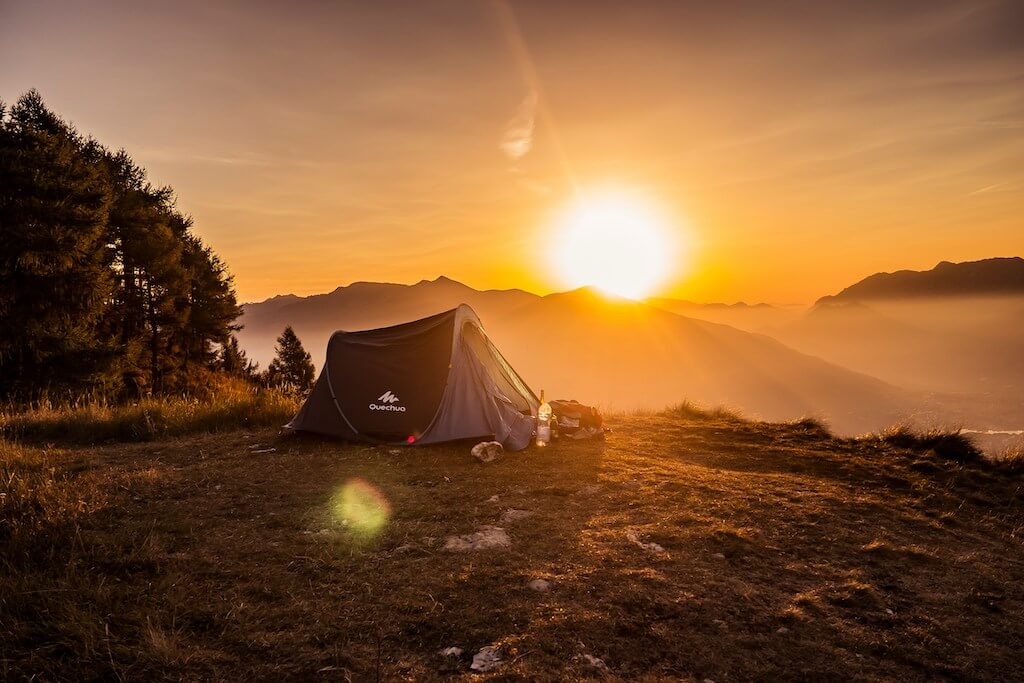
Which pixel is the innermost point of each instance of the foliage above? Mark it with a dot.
(104, 287)
(235, 362)
(292, 368)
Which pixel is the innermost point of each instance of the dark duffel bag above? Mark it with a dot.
(575, 420)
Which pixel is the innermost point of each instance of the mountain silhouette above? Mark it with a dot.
(993, 276)
(618, 354)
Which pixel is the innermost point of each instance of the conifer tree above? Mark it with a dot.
(103, 286)
(53, 276)
(235, 362)
(292, 368)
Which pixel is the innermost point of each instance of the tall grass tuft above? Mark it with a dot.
(231, 404)
(692, 411)
(1011, 460)
(950, 444)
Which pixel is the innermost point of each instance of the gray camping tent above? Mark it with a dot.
(427, 381)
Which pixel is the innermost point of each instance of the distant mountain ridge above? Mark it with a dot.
(985, 277)
(618, 354)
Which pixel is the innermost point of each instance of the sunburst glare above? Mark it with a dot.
(620, 243)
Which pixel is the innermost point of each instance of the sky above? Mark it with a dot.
(792, 147)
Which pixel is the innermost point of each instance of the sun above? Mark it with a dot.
(617, 242)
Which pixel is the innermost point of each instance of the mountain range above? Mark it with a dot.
(860, 365)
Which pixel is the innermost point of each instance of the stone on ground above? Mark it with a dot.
(652, 547)
(486, 538)
(539, 585)
(488, 451)
(512, 515)
(488, 658)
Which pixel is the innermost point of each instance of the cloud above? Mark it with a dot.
(518, 137)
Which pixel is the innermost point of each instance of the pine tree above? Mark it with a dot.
(235, 362)
(103, 287)
(54, 282)
(292, 368)
(213, 307)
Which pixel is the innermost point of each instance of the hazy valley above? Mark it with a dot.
(860, 362)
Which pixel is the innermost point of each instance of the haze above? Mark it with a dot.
(799, 147)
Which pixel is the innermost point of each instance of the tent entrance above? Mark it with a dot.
(507, 380)
(390, 388)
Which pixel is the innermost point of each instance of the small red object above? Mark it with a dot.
(411, 439)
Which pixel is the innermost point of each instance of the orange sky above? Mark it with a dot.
(802, 147)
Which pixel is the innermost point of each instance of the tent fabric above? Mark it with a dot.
(427, 381)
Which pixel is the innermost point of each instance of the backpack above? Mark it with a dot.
(576, 420)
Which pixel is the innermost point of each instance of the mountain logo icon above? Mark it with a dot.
(387, 401)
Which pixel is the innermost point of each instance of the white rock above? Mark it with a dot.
(782, 630)
(594, 662)
(488, 451)
(718, 556)
(634, 537)
(486, 538)
(512, 515)
(451, 652)
(539, 585)
(488, 658)
(493, 499)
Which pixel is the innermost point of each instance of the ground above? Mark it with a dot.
(676, 549)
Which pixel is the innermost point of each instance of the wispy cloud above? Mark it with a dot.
(518, 137)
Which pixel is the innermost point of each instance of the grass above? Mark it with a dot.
(232, 404)
(694, 411)
(951, 444)
(36, 496)
(680, 548)
(1012, 460)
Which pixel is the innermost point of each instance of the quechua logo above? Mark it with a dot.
(387, 401)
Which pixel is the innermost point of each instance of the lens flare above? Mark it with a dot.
(361, 507)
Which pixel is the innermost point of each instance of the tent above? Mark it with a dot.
(427, 381)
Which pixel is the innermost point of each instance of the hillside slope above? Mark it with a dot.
(683, 547)
(617, 354)
(626, 355)
(967, 349)
(748, 317)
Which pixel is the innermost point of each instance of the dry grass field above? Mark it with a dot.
(685, 546)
